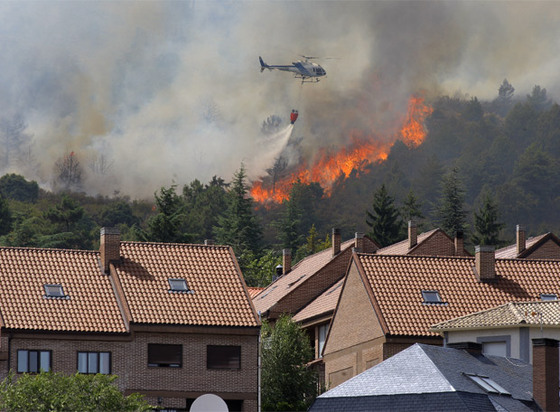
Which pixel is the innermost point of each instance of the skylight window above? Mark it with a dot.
(296, 281)
(549, 296)
(178, 285)
(431, 296)
(54, 291)
(488, 384)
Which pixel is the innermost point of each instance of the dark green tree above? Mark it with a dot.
(411, 208)
(259, 271)
(486, 223)
(118, 213)
(5, 217)
(451, 213)
(47, 391)
(70, 226)
(238, 226)
(67, 213)
(312, 245)
(15, 187)
(384, 220)
(538, 99)
(168, 224)
(504, 101)
(287, 384)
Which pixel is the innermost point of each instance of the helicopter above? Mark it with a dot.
(307, 71)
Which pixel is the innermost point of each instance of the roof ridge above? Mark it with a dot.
(48, 249)
(130, 242)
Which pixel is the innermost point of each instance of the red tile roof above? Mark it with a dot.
(254, 291)
(531, 245)
(401, 248)
(324, 304)
(395, 284)
(300, 273)
(217, 296)
(90, 305)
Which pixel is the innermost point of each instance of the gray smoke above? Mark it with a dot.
(152, 93)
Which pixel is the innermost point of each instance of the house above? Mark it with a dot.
(506, 330)
(433, 243)
(388, 303)
(546, 246)
(309, 278)
(316, 316)
(173, 321)
(426, 377)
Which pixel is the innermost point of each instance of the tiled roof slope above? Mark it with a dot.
(511, 314)
(401, 248)
(531, 245)
(300, 273)
(254, 291)
(324, 304)
(395, 284)
(90, 306)
(218, 297)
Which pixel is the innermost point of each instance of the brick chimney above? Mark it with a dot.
(412, 234)
(459, 243)
(286, 261)
(110, 246)
(521, 238)
(336, 241)
(545, 373)
(359, 242)
(485, 263)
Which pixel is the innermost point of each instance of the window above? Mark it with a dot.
(33, 361)
(54, 291)
(323, 329)
(549, 296)
(178, 285)
(488, 384)
(167, 356)
(497, 348)
(223, 357)
(431, 296)
(94, 362)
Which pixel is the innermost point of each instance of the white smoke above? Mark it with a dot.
(171, 91)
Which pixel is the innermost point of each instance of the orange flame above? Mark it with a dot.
(362, 151)
(413, 131)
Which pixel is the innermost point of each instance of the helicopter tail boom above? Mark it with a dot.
(263, 64)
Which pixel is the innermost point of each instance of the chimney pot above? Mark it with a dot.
(279, 271)
(459, 243)
(336, 241)
(286, 261)
(545, 373)
(412, 234)
(359, 242)
(485, 265)
(521, 238)
(109, 246)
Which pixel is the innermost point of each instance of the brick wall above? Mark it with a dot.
(548, 250)
(129, 361)
(437, 245)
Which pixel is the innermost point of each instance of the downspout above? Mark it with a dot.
(259, 368)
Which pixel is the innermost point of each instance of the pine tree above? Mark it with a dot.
(451, 209)
(287, 384)
(168, 225)
(5, 217)
(384, 219)
(238, 226)
(486, 224)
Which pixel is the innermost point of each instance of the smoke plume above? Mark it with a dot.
(166, 92)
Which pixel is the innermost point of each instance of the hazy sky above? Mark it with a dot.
(171, 91)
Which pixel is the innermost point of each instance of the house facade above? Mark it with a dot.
(545, 246)
(388, 303)
(506, 330)
(173, 322)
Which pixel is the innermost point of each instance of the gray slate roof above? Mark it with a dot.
(436, 376)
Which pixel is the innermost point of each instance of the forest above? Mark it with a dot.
(483, 167)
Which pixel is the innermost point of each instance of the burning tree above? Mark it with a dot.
(68, 173)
